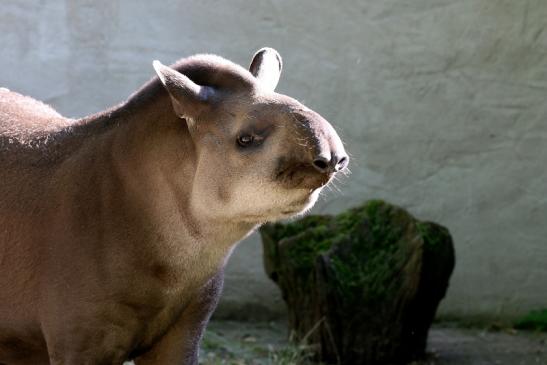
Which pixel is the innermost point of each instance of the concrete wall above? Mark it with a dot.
(442, 104)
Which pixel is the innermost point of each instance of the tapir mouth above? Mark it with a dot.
(301, 176)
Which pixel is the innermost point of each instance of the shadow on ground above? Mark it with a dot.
(243, 343)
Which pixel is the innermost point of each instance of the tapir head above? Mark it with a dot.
(260, 155)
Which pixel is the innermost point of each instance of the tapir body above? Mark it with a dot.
(115, 228)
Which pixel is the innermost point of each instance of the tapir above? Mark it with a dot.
(115, 228)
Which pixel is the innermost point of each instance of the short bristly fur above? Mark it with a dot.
(115, 228)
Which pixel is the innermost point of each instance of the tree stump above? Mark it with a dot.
(361, 287)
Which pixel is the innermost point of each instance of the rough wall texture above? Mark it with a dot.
(442, 104)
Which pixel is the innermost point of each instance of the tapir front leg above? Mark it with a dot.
(180, 345)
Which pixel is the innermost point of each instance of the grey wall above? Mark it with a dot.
(442, 104)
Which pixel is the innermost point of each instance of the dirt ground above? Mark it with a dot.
(240, 343)
(456, 346)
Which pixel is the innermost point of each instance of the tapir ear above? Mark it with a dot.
(189, 99)
(266, 67)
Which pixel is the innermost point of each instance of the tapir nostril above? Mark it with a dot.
(335, 164)
(321, 164)
(342, 163)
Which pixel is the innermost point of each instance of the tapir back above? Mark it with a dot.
(23, 117)
(28, 133)
(25, 125)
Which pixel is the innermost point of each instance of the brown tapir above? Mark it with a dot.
(115, 228)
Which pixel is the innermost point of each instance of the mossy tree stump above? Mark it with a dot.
(363, 286)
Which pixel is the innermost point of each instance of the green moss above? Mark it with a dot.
(383, 223)
(361, 244)
(371, 261)
(279, 231)
(430, 234)
(535, 321)
(354, 274)
(309, 244)
(347, 220)
(315, 235)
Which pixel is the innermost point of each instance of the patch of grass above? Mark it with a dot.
(290, 355)
(221, 348)
(534, 321)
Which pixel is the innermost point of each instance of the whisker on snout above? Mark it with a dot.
(346, 172)
(336, 188)
(340, 179)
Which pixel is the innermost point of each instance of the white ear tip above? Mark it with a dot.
(271, 52)
(160, 70)
(157, 65)
(266, 49)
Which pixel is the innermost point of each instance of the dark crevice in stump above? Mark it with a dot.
(362, 286)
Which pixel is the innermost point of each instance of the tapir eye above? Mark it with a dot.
(252, 138)
(245, 140)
